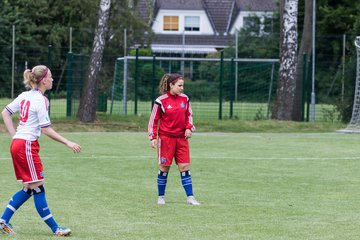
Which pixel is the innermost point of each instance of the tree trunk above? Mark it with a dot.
(305, 48)
(286, 87)
(87, 108)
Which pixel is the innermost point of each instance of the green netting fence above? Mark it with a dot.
(218, 87)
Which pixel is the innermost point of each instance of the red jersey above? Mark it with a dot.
(175, 115)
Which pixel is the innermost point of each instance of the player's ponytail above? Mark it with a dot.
(34, 76)
(168, 78)
(27, 79)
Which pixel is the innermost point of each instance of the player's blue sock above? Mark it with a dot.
(42, 207)
(187, 182)
(161, 181)
(15, 203)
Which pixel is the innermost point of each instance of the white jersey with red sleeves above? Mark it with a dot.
(33, 109)
(173, 114)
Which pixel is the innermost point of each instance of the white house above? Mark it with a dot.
(201, 26)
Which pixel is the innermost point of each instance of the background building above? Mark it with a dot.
(202, 26)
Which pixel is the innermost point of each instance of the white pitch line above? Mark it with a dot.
(202, 157)
(229, 158)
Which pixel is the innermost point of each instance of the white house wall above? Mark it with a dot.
(239, 23)
(205, 26)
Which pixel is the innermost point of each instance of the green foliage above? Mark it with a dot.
(331, 115)
(264, 45)
(209, 70)
(147, 52)
(202, 90)
(147, 83)
(59, 95)
(39, 24)
(42, 23)
(335, 18)
(345, 105)
(260, 115)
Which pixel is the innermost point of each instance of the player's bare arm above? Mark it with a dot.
(8, 122)
(50, 132)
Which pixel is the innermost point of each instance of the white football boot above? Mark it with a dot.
(161, 200)
(191, 200)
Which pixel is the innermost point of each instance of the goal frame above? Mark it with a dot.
(354, 124)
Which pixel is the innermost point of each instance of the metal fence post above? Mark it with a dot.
(113, 86)
(304, 88)
(13, 62)
(232, 93)
(270, 90)
(308, 86)
(153, 81)
(125, 86)
(69, 83)
(221, 83)
(136, 81)
(49, 65)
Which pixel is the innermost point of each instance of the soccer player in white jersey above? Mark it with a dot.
(34, 119)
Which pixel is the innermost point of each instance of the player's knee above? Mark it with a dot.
(164, 168)
(28, 190)
(38, 190)
(184, 167)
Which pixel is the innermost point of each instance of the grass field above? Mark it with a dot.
(250, 185)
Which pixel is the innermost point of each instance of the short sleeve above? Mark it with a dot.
(14, 106)
(43, 113)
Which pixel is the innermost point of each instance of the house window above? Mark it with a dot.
(171, 23)
(192, 23)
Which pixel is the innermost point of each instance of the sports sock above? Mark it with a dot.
(15, 203)
(42, 207)
(161, 181)
(187, 182)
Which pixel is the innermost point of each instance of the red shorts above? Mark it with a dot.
(173, 147)
(26, 160)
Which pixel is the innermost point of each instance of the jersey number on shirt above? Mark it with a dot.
(24, 110)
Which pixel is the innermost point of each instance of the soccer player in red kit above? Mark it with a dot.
(34, 119)
(170, 127)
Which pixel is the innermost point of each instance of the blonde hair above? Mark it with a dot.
(33, 77)
(165, 81)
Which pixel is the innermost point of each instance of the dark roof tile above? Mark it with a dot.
(256, 5)
(180, 4)
(219, 11)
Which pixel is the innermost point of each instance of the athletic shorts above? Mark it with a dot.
(26, 160)
(173, 147)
